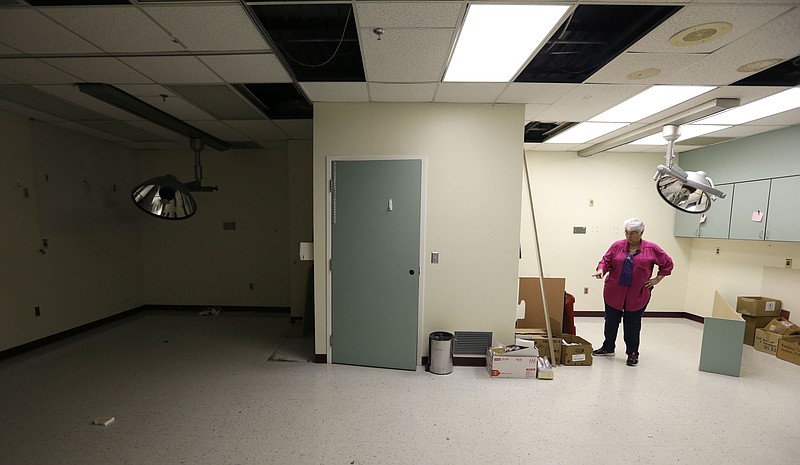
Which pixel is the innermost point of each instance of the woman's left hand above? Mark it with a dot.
(651, 283)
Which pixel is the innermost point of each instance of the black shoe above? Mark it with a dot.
(602, 352)
(633, 360)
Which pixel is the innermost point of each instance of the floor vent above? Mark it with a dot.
(472, 342)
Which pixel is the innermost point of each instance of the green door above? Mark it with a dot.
(375, 264)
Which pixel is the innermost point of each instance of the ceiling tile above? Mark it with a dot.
(220, 101)
(258, 130)
(99, 69)
(408, 55)
(778, 39)
(174, 70)
(247, 68)
(26, 111)
(33, 71)
(744, 18)
(18, 29)
(539, 92)
(220, 130)
(115, 28)
(176, 106)
(533, 110)
(210, 27)
(401, 92)
(297, 129)
(158, 130)
(408, 14)
(83, 129)
(642, 68)
(468, 92)
(587, 101)
(336, 91)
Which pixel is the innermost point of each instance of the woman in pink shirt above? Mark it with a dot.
(628, 267)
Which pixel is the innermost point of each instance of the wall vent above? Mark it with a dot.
(472, 342)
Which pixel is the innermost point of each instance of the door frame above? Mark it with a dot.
(329, 241)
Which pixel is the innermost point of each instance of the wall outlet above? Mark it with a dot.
(788, 263)
(717, 250)
(585, 290)
(252, 286)
(37, 311)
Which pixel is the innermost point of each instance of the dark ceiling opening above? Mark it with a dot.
(784, 74)
(590, 38)
(317, 42)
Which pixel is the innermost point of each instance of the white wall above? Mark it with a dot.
(91, 267)
(599, 192)
(473, 156)
(195, 261)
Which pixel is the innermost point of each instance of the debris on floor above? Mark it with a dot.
(103, 421)
(210, 311)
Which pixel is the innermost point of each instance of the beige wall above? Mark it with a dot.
(621, 186)
(76, 200)
(195, 261)
(473, 156)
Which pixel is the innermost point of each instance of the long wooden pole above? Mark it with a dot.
(553, 360)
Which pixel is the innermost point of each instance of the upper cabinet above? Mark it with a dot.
(712, 224)
(749, 210)
(768, 209)
(783, 222)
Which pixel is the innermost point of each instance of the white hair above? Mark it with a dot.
(634, 224)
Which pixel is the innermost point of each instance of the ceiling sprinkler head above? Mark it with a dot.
(378, 32)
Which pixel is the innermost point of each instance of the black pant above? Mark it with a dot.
(631, 327)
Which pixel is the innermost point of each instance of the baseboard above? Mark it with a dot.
(67, 333)
(230, 308)
(463, 361)
(647, 314)
(109, 319)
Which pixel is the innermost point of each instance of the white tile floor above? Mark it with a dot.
(201, 390)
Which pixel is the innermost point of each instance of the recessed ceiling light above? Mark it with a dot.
(497, 40)
(650, 102)
(758, 65)
(584, 132)
(687, 132)
(700, 34)
(768, 106)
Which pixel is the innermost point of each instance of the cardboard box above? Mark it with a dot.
(540, 340)
(575, 351)
(766, 341)
(751, 323)
(782, 326)
(505, 366)
(789, 349)
(530, 291)
(758, 306)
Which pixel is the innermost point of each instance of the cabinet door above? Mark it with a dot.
(686, 224)
(783, 221)
(718, 218)
(750, 197)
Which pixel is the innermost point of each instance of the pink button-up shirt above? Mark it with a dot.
(636, 296)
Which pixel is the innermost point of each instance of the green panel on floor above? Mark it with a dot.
(721, 351)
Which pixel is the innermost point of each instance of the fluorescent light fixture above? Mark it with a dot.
(584, 132)
(651, 101)
(768, 106)
(683, 117)
(121, 99)
(497, 40)
(687, 132)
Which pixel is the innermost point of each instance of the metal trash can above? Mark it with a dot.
(440, 353)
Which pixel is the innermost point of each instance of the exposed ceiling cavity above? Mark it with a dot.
(317, 42)
(590, 38)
